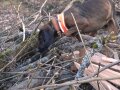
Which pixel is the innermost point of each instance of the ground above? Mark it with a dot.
(9, 24)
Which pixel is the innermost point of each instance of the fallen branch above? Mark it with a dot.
(75, 82)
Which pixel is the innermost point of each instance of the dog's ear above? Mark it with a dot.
(45, 38)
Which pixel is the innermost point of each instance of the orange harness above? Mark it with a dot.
(59, 24)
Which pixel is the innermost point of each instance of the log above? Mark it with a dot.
(104, 61)
(106, 74)
(103, 85)
(100, 58)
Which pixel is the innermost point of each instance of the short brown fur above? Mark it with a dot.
(90, 16)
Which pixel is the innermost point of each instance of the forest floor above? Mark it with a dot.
(11, 14)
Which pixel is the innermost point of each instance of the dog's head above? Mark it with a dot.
(46, 37)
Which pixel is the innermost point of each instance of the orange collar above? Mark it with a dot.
(59, 24)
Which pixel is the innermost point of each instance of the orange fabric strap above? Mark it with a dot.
(61, 23)
(55, 24)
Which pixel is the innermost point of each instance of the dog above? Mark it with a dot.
(90, 16)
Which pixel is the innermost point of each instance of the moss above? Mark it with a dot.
(4, 53)
(1, 55)
(94, 45)
(26, 46)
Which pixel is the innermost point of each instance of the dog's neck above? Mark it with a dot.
(58, 22)
(55, 24)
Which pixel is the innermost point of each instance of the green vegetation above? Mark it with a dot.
(5, 53)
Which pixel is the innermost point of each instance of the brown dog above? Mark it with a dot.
(90, 16)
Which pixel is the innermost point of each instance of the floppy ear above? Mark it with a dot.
(46, 38)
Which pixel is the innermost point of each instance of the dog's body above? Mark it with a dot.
(90, 16)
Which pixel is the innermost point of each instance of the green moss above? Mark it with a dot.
(4, 53)
(26, 46)
(94, 45)
(1, 55)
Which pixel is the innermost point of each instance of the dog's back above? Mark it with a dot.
(91, 8)
(97, 13)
